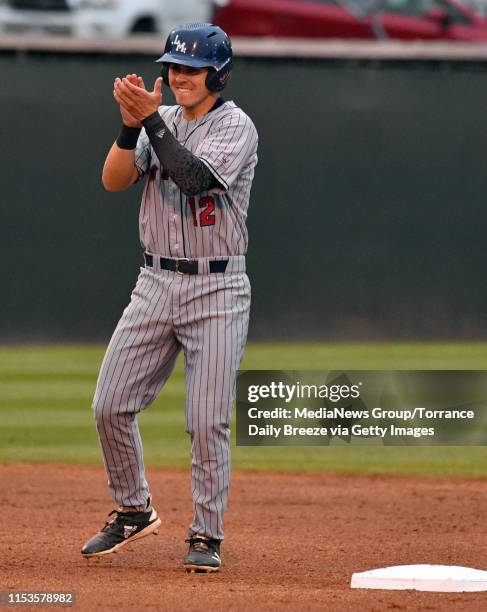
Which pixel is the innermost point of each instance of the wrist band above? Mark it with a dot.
(128, 136)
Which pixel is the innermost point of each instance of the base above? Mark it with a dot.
(440, 578)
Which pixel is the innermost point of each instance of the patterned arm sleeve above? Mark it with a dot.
(189, 173)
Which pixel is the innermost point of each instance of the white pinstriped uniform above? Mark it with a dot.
(205, 314)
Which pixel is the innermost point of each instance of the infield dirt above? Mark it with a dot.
(292, 541)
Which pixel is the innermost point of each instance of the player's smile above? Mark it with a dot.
(189, 86)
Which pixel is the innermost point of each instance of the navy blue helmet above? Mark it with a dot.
(200, 45)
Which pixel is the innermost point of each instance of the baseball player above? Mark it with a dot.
(198, 159)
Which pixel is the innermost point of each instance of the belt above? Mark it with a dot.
(185, 266)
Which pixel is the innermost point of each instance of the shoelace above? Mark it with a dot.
(198, 544)
(118, 519)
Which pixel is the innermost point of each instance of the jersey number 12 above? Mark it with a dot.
(206, 211)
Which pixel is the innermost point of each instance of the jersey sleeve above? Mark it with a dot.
(227, 148)
(142, 154)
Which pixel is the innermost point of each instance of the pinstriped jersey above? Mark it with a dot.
(211, 223)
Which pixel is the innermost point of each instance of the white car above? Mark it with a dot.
(99, 18)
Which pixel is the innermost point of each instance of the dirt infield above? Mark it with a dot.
(292, 541)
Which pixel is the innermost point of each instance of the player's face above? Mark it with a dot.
(189, 86)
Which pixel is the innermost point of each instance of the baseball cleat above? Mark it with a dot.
(203, 555)
(125, 527)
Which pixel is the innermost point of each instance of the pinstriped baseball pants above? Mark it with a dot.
(207, 316)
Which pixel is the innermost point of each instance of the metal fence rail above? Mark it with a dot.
(260, 47)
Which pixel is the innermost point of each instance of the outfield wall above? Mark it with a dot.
(368, 213)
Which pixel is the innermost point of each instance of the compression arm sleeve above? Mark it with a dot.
(189, 173)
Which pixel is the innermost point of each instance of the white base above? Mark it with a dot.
(441, 578)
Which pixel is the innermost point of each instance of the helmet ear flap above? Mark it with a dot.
(165, 73)
(216, 80)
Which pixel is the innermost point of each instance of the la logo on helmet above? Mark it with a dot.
(180, 46)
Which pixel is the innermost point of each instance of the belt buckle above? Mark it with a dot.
(178, 271)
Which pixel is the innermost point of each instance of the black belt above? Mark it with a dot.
(185, 266)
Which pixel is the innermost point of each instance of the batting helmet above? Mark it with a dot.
(200, 45)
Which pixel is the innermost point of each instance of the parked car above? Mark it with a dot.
(360, 19)
(93, 18)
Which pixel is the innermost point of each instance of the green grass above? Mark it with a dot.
(46, 391)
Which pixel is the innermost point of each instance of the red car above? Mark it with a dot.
(358, 19)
